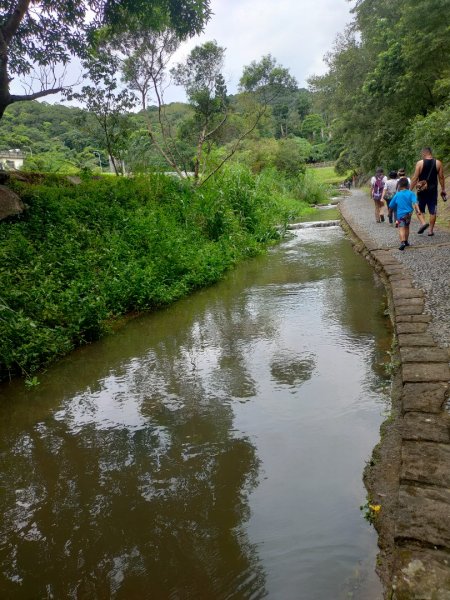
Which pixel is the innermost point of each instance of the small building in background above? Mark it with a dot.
(11, 160)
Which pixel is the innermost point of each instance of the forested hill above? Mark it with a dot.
(58, 138)
(385, 95)
(387, 88)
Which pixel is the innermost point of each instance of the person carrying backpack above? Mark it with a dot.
(377, 186)
(390, 187)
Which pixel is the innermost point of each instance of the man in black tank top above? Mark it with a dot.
(430, 170)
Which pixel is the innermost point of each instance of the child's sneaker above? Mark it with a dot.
(407, 243)
(402, 246)
(382, 218)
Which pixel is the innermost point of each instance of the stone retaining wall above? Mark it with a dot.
(409, 476)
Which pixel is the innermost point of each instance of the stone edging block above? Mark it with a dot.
(424, 397)
(419, 372)
(422, 516)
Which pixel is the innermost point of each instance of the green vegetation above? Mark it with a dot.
(328, 176)
(38, 37)
(387, 88)
(83, 255)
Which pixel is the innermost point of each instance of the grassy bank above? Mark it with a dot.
(326, 176)
(83, 255)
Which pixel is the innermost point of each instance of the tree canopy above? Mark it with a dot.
(387, 74)
(38, 36)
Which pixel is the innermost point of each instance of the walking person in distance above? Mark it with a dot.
(425, 179)
(389, 190)
(404, 203)
(376, 191)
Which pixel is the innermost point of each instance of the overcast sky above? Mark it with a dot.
(296, 32)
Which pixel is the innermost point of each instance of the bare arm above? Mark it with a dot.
(440, 170)
(417, 209)
(417, 172)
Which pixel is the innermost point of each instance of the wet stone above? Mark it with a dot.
(423, 355)
(412, 372)
(426, 463)
(400, 293)
(421, 574)
(413, 318)
(412, 339)
(409, 308)
(411, 327)
(428, 427)
(409, 302)
(424, 515)
(424, 397)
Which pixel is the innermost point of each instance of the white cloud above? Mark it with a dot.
(297, 33)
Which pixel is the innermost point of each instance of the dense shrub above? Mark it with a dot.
(83, 255)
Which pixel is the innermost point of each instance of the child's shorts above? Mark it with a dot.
(404, 221)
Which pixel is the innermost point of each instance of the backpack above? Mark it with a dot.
(377, 189)
(390, 189)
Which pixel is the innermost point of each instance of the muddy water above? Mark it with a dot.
(213, 450)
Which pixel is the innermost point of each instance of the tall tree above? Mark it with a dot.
(201, 77)
(389, 67)
(37, 36)
(144, 68)
(109, 107)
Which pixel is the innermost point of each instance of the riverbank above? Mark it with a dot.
(86, 253)
(408, 478)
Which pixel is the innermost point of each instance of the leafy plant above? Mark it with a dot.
(83, 255)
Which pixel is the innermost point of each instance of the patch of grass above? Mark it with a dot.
(327, 175)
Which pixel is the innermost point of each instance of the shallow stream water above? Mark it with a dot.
(211, 450)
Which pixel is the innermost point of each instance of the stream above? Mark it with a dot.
(211, 450)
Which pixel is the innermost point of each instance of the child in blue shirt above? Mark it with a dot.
(404, 202)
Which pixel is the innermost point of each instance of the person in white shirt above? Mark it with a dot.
(390, 187)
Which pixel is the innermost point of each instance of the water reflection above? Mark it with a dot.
(177, 459)
(291, 370)
(102, 509)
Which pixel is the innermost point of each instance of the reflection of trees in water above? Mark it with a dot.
(292, 370)
(97, 509)
(156, 511)
(231, 329)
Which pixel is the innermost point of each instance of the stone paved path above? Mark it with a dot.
(415, 535)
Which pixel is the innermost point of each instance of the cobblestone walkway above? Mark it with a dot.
(416, 548)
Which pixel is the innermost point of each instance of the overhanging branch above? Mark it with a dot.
(35, 95)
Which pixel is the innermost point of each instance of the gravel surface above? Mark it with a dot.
(427, 259)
